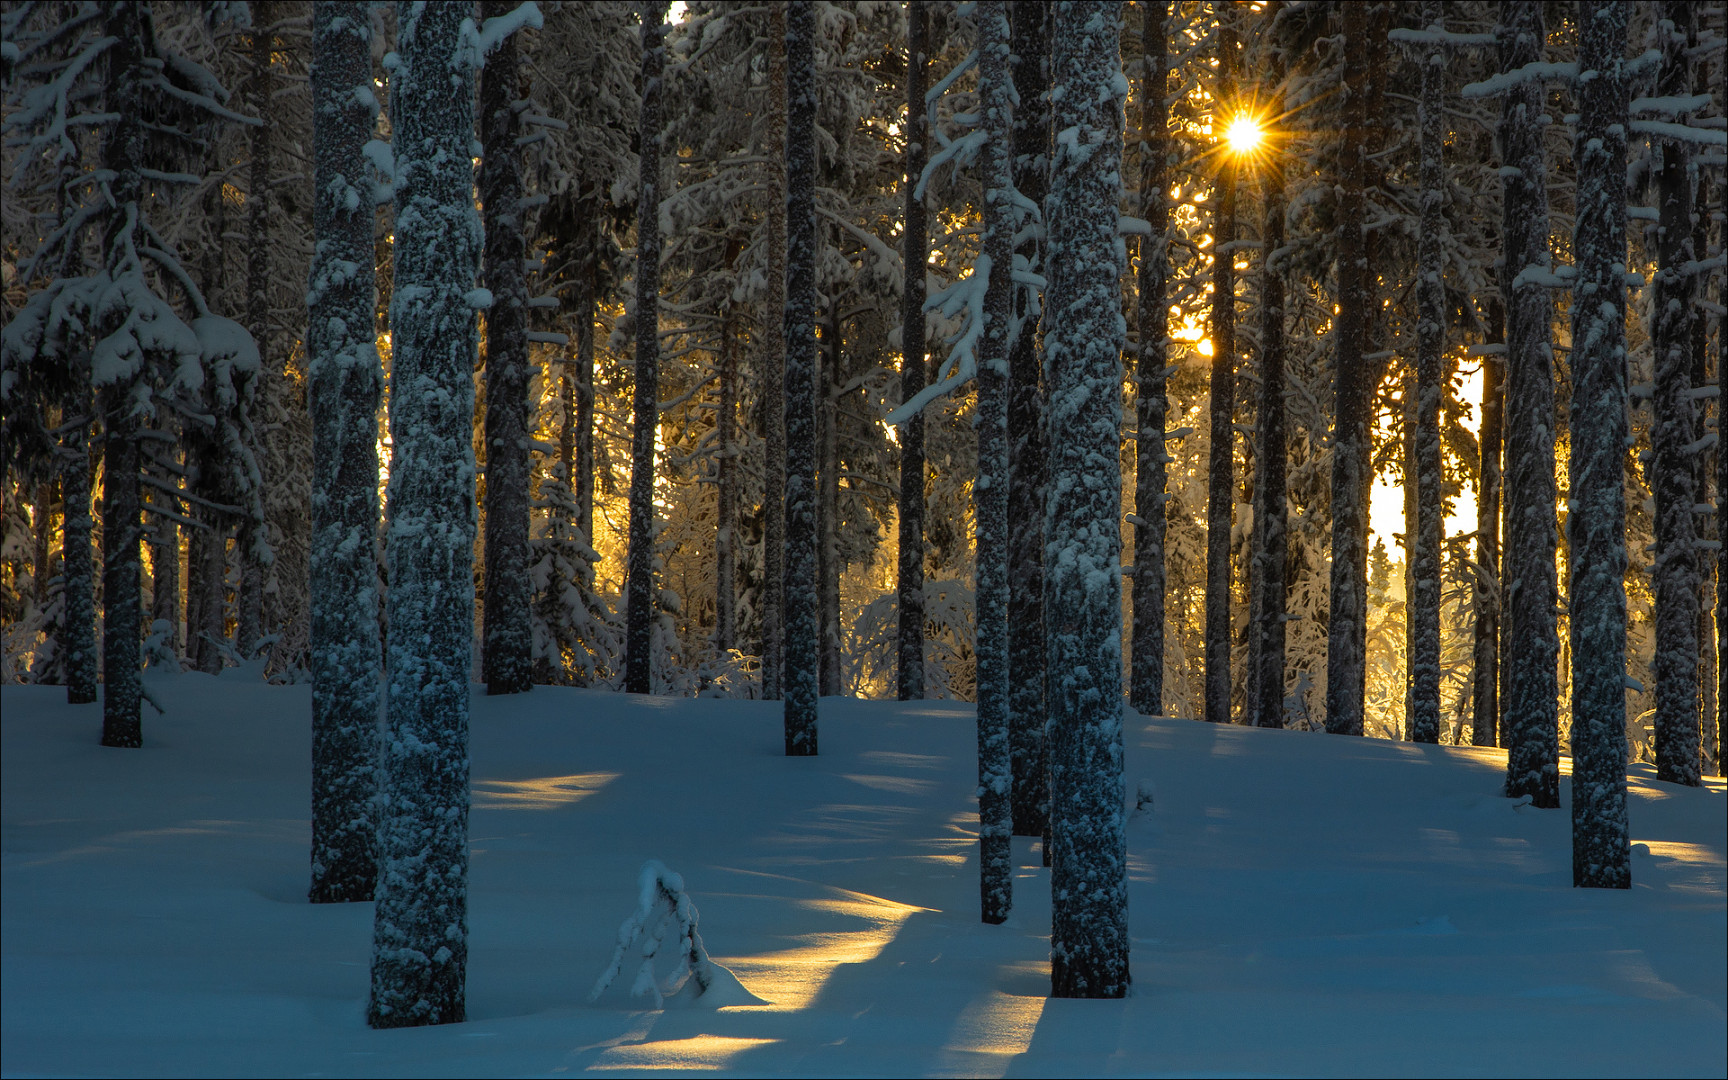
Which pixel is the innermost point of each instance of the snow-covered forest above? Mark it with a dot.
(1335, 366)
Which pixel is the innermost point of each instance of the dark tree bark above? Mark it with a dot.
(1221, 471)
(345, 383)
(1083, 340)
(799, 595)
(1530, 711)
(251, 551)
(828, 502)
(77, 567)
(909, 674)
(420, 927)
(726, 477)
(771, 400)
(1151, 401)
(583, 485)
(1485, 592)
(1596, 526)
(1271, 508)
(507, 649)
(641, 594)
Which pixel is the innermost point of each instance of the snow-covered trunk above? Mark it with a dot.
(726, 479)
(1530, 711)
(1084, 334)
(344, 384)
(798, 596)
(640, 593)
(1674, 470)
(990, 489)
(828, 501)
(1596, 525)
(77, 566)
(507, 649)
(1151, 399)
(1029, 31)
(1422, 723)
(1221, 466)
(1485, 588)
(249, 552)
(1710, 539)
(909, 671)
(420, 930)
(1271, 505)
(771, 397)
(1347, 616)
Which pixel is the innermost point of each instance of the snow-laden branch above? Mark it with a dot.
(1533, 72)
(1679, 132)
(961, 366)
(1443, 38)
(1671, 105)
(885, 255)
(493, 31)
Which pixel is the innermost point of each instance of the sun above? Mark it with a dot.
(1244, 135)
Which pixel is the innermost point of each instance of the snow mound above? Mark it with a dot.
(695, 980)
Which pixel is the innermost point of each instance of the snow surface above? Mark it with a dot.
(1300, 903)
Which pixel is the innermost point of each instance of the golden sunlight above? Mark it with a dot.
(1244, 135)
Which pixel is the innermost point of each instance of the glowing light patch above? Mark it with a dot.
(1244, 135)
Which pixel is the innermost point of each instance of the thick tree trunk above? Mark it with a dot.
(799, 591)
(507, 650)
(1485, 592)
(1596, 556)
(771, 399)
(420, 927)
(1221, 470)
(909, 671)
(1271, 508)
(1530, 716)
(641, 594)
(77, 567)
(1151, 401)
(1083, 341)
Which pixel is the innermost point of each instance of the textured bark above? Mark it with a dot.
(1674, 473)
(909, 673)
(726, 479)
(584, 399)
(251, 553)
(771, 400)
(165, 578)
(1271, 507)
(344, 386)
(420, 927)
(1596, 526)
(1151, 400)
(77, 567)
(1221, 469)
(990, 490)
(1083, 339)
(1530, 711)
(799, 590)
(1347, 625)
(507, 649)
(206, 595)
(1485, 589)
(641, 594)
(1721, 507)
(828, 504)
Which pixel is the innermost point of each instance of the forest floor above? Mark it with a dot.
(1300, 904)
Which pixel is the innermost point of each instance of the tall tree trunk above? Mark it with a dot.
(1271, 508)
(726, 478)
(420, 927)
(641, 596)
(799, 590)
(77, 567)
(507, 651)
(1674, 472)
(1596, 556)
(1530, 712)
(1721, 501)
(1221, 471)
(1347, 618)
(1710, 539)
(771, 400)
(583, 483)
(41, 570)
(165, 578)
(1083, 343)
(828, 502)
(909, 671)
(252, 550)
(1151, 401)
(1485, 592)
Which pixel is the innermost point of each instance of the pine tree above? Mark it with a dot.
(1596, 526)
(255, 557)
(772, 377)
(1083, 340)
(420, 928)
(909, 672)
(1151, 398)
(345, 384)
(1485, 584)
(1221, 329)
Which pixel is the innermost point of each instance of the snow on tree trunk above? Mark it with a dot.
(1221, 468)
(771, 398)
(1674, 471)
(828, 501)
(1596, 525)
(909, 672)
(506, 658)
(420, 932)
(1084, 334)
(344, 384)
(1151, 400)
(1347, 617)
(799, 592)
(1423, 720)
(640, 591)
(1030, 37)
(990, 489)
(1530, 713)
(77, 567)
(1485, 589)
(726, 477)
(1271, 507)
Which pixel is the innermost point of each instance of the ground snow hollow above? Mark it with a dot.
(1301, 904)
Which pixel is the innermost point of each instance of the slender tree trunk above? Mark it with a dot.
(1151, 401)
(1721, 502)
(1674, 472)
(507, 652)
(909, 672)
(1710, 539)
(165, 578)
(252, 550)
(583, 483)
(641, 595)
(1220, 489)
(1083, 344)
(77, 567)
(420, 927)
(771, 400)
(1530, 717)
(828, 503)
(1485, 593)
(42, 512)
(207, 592)
(799, 590)
(1271, 508)
(726, 479)
(1030, 33)
(1596, 556)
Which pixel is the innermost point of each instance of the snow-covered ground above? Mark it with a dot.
(1301, 904)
